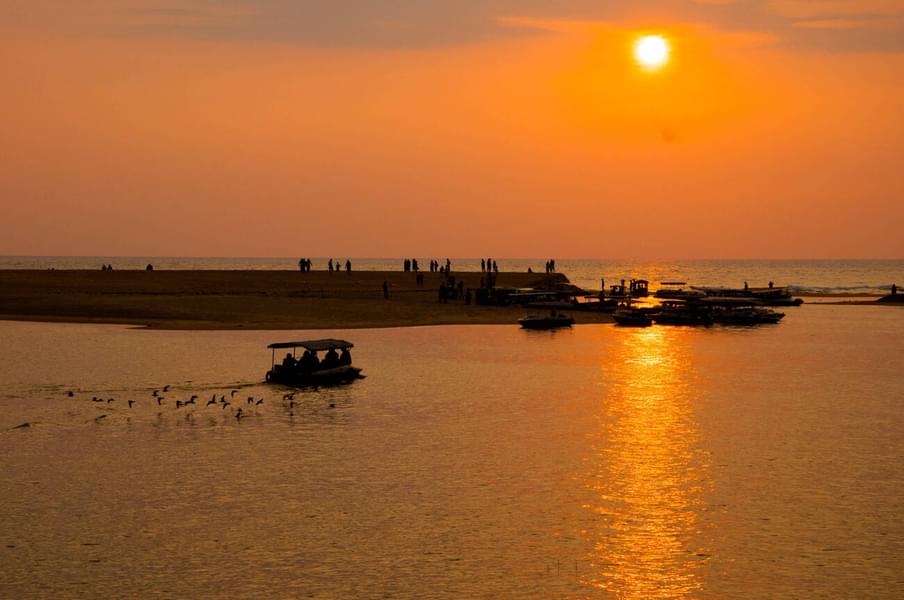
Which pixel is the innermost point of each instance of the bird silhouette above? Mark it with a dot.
(259, 402)
(70, 393)
(238, 414)
(211, 401)
(109, 400)
(250, 399)
(233, 393)
(159, 401)
(178, 403)
(193, 398)
(166, 388)
(131, 402)
(154, 393)
(225, 404)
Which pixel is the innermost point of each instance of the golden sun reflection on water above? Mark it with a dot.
(648, 472)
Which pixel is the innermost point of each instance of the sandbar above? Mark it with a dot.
(221, 299)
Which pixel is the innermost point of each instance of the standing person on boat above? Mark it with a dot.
(345, 358)
(483, 265)
(894, 290)
(385, 290)
(330, 265)
(348, 266)
(746, 288)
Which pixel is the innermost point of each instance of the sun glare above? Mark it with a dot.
(651, 51)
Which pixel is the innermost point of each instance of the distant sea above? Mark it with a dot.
(816, 277)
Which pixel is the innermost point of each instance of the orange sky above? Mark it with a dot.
(504, 128)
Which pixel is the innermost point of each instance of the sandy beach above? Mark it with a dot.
(250, 299)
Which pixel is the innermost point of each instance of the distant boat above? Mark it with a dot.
(679, 312)
(741, 311)
(553, 320)
(309, 370)
(769, 296)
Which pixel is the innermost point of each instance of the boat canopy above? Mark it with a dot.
(315, 345)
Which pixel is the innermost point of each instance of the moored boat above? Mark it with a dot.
(632, 317)
(740, 311)
(679, 312)
(554, 320)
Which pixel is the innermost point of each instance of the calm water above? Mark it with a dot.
(473, 462)
(836, 277)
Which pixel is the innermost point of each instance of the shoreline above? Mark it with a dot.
(254, 300)
(269, 300)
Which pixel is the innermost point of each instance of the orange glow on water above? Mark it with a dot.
(650, 474)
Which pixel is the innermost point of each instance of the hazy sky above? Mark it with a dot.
(452, 128)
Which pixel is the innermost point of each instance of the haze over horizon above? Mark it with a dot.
(504, 128)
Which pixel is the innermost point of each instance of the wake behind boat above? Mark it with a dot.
(309, 370)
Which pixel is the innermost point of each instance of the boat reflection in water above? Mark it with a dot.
(649, 473)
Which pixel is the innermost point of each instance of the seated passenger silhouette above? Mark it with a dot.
(345, 358)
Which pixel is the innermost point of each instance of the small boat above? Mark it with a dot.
(740, 311)
(679, 312)
(768, 296)
(632, 317)
(553, 320)
(309, 370)
(746, 316)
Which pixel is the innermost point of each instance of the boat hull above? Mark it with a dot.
(632, 318)
(335, 376)
(545, 322)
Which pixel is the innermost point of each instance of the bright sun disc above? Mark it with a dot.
(651, 51)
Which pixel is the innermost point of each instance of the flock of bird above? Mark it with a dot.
(222, 402)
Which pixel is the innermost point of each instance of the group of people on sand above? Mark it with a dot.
(306, 264)
(410, 264)
(436, 267)
(488, 266)
(338, 266)
(308, 363)
(448, 290)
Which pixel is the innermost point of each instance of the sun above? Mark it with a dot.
(651, 51)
